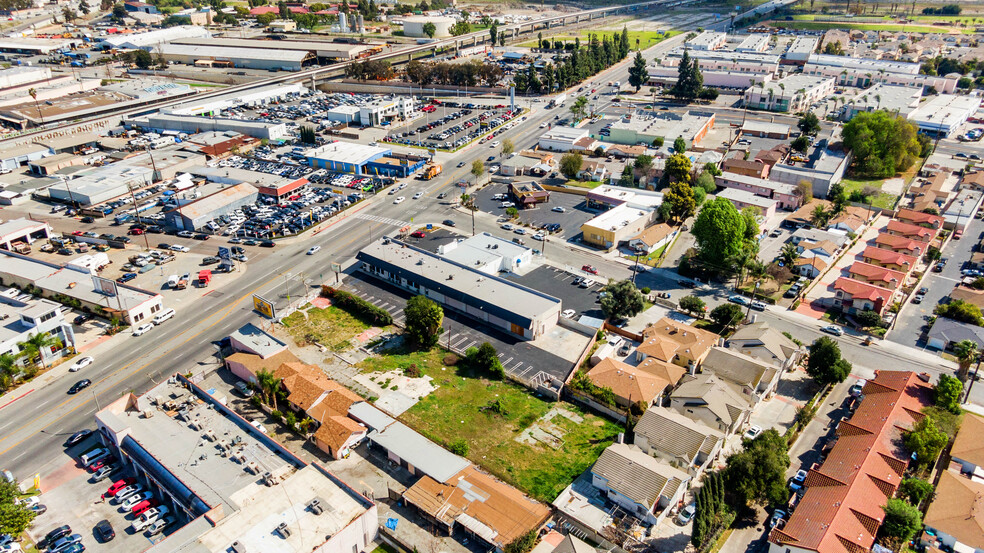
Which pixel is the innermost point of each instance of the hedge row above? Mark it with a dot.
(357, 307)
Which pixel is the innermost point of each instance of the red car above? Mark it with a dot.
(119, 485)
(139, 508)
(135, 232)
(419, 234)
(109, 460)
(589, 269)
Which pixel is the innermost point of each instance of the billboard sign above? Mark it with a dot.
(264, 307)
(105, 286)
(224, 253)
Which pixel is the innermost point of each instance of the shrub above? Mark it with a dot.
(357, 307)
(458, 447)
(450, 359)
(412, 371)
(645, 290)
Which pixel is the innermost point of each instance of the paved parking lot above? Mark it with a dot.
(451, 125)
(519, 357)
(559, 284)
(575, 213)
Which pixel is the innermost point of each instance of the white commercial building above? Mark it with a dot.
(863, 72)
(561, 139)
(756, 42)
(720, 60)
(707, 40)
(16, 76)
(22, 230)
(616, 225)
(254, 97)
(99, 184)
(193, 124)
(384, 110)
(800, 49)
(942, 114)
(414, 25)
(487, 253)
(152, 39)
(248, 58)
(789, 94)
(902, 100)
(715, 79)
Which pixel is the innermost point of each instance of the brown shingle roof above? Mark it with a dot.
(667, 338)
(630, 383)
(967, 445)
(958, 508)
(676, 435)
(254, 363)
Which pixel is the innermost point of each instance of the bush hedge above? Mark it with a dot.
(357, 307)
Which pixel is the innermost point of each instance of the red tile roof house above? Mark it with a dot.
(889, 259)
(854, 296)
(919, 218)
(879, 276)
(908, 230)
(842, 507)
(900, 244)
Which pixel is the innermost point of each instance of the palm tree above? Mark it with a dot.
(8, 371)
(270, 385)
(789, 254)
(966, 352)
(819, 217)
(34, 94)
(36, 346)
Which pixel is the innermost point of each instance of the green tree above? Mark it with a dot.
(522, 544)
(570, 165)
(37, 346)
(720, 231)
(727, 315)
(690, 81)
(706, 181)
(142, 59)
(789, 254)
(809, 124)
(926, 441)
(119, 12)
(915, 491)
(477, 169)
(458, 447)
(8, 371)
(693, 305)
(462, 27)
(679, 145)
(801, 144)
(680, 198)
(962, 311)
(643, 164)
(868, 318)
(947, 393)
(14, 519)
(966, 352)
(308, 135)
(757, 474)
(579, 108)
(269, 386)
(622, 300)
(485, 360)
(493, 31)
(507, 146)
(627, 179)
(676, 169)
(423, 321)
(638, 74)
(902, 521)
(838, 198)
(882, 144)
(825, 364)
(430, 29)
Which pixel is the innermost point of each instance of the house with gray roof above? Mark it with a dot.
(644, 487)
(686, 444)
(766, 343)
(947, 332)
(755, 377)
(713, 401)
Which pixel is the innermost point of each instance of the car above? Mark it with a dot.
(442, 195)
(800, 476)
(104, 472)
(38, 509)
(259, 426)
(82, 319)
(918, 298)
(686, 514)
(12, 547)
(79, 386)
(776, 233)
(28, 502)
(142, 329)
(461, 164)
(539, 236)
(740, 300)
(559, 209)
(586, 283)
(244, 389)
(117, 486)
(210, 260)
(128, 491)
(638, 268)
(777, 517)
(313, 250)
(418, 234)
(78, 437)
(418, 195)
(399, 200)
(104, 530)
(752, 432)
(74, 548)
(938, 268)
(857, 388)
(130, 502)
(6, 539)
(64, 542)
(521, 231)
(201, 236)
(179, 248)
(185, 234)
(757, 305)
(267, 244)
(494, 144)
(127, 277)
(686, 284)
(88, 219)
(160, 525)
(448, 223)
(568, 313)
(923, 291)
(792, 291)
(833, 329)
(506, 226)
(55, 534)
(148, 517)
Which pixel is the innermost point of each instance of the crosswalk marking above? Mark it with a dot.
(378, 219)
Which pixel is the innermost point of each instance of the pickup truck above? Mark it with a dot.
(183, 281)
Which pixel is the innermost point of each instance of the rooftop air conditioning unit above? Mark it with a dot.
(283, 530)
(315, 506)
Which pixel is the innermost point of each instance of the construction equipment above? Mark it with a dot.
(431, 170)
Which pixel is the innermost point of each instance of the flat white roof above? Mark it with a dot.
(945, 111)
(737, 195)
(618, 217)
(564, 133)
(865, 64)
(347, 152)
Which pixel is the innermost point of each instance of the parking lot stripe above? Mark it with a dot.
(507, 361)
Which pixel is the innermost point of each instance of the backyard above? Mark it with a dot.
(330, 327)
(882, 199)
(538, 446)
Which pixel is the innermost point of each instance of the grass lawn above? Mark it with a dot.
(823, 26)
(583, 184)
(453, 412)
(384, 548)
(645, 38)
(331, 327)
(882, 200)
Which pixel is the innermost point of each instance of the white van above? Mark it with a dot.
(163, 316)
(92, 456)
(172, 282)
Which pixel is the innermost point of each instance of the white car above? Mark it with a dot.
(159, 525)
(418, 195)
(314, 250)
(180, 248)
(257, 425)
(127, 492)
(753, 432)
(142, 329)
(833, 329)
(568, 313)
(539, 236)
(81, 364)
(399, 200)
(494, 144)
(149, 517)
(13, 547)
(559, 209)
(129, 503)
(543, 125)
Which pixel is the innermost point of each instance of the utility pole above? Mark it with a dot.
(973, 378)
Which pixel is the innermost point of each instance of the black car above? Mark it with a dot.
(105, 531)
(78, 437)
(127, 277)
(267, 244)
(78, 387)
(88, 219)
(237, 249)
(82, 319)
(153, 229)
(448, 223)
(442, 195)
(38, 509)
(686, 284)
(164, 246)
(55, 534)
(200, 236)
(490, 158)
(210, 260)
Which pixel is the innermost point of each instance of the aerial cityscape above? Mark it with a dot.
(469, 276)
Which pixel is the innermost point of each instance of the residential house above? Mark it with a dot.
(766, 343)
(839, 238)
(927, 220)
(954, 517)
(787, 196)
(851, 220)
(841, 509)
(750, 168)
(825, 248)
(713, 401)
(754, 377)
(634, 384)
(900, 244)
(968, 294)
(974, 181)
(907, 230)
(645, 487)
(774, 155)
(593, 171)
(802, 218)
(853, 296)
(879, 276)
(811, 264)
(675, 342)
(652, 239)
(889, 259)
(945, 333)
(967, 450)
(673, 438)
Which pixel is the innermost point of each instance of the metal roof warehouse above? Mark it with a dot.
(249, 58)
(500, 303)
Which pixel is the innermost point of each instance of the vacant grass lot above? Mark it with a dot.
(331, 327)
(645, 38)
(454, 412)
(823, 26)
(882, 200)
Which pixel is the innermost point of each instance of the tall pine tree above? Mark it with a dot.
(638, 74)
